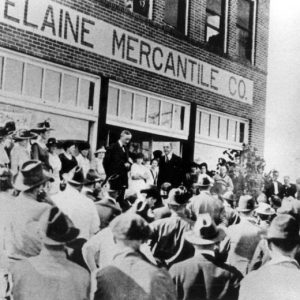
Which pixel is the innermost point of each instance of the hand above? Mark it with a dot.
(127, 165)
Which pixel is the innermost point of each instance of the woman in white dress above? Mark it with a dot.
(139, 174)
(153, 172)
(55, 164)
(98, 162)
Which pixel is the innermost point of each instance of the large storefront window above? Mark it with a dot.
(143, 111)
(216, 132)
(44, 90)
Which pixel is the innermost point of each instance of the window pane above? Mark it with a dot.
(126, 105)
(242, 132)
(232, 131)
(13, 75)
(175, 14)
(140, 105)
(69, 91)
(215, 6)
(243, 17)
(213, 20)
(141, 7)
(112, 104)
(223, 128)
(166, 114)
(214, 127)
(33, 81)
(204, 127)
(52, 85)
(86, 94)
(153, 111)
(178, 118)
(244, 44)
(1, 70)
(211, 33)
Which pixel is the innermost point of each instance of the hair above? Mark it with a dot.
(152, 160)
(125, 132)
(286, 245)
(137, 156)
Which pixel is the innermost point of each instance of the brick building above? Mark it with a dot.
(187, 71)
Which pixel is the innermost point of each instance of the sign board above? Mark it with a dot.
(61, 23)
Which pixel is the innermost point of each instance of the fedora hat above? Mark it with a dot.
(178, 196)
(265, 209)
(30, 176)
(100, 150)
(246, 204)
(229, 196)
(205, 231)
(284, 227)
(57, 228)
(24, 134)
(10, 127)
(42, 127)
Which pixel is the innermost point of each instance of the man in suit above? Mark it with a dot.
(274, 189)
(279, 278)
(170, 167)
(130, 275)
(288, 189)
(116, 163)
(204, 276)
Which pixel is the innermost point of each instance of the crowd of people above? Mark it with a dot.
(114, 225)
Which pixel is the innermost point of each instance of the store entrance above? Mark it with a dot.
(144, 142)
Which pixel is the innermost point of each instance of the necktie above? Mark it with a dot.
(167, 159)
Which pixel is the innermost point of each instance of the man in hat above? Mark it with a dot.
(244, 236)
(130, 275)
(116, 162)
(77, 206)
(264, 213)
(231, 215)
(203, 276)
(50, 275)
(170, 167)
(21, 152)
(21, 238)
(167, 242)
(279, 278)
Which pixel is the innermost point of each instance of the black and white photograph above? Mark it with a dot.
(149, 150)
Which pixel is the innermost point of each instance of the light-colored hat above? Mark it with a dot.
(23, 134)
(265, 209)
(246, 204)
(205, 231)
(100, 150)
(228, 196)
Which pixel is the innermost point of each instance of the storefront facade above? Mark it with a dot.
(96, 67)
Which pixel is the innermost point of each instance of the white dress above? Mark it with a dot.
(138, 184)
(55, 163)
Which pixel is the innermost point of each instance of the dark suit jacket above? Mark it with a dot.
(270, 190)
(288, 191)
(171, 171)
(114, 163)
(202, 277)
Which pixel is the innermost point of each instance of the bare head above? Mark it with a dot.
(167, 148)
(125, 137)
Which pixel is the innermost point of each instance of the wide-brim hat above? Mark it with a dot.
(30, 176)
(57, 228)
(265, 209)
(100, 150)
(92, 177)
(177, 197)
(10, 127)
(22, 135)
(52, 142)
(42, 127)
(229, 196)
(205, 232)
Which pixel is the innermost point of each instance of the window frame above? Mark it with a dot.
(252, 32)
(186, 23)
(128, 3)
(226, 143)
(146, 126)
(223, 23)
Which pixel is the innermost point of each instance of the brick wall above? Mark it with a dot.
(114, 13)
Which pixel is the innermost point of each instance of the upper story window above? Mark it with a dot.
(246, 29)
(216, 24)
(147, 112)
(142, 7)
(176, 14)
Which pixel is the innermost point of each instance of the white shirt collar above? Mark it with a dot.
(278, 258)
